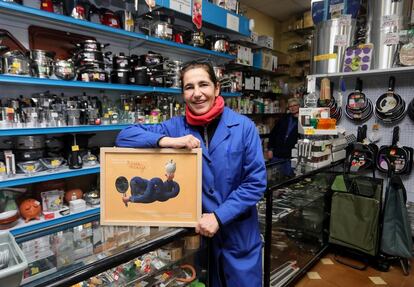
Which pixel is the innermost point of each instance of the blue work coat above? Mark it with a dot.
(234, 180)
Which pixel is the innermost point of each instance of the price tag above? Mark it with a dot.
(232, 22)
(126, 108)
(55, 162)
(30, 167)
(35, 270)
(110, 113)
(9, 111)
(325, 57)
(389, 21)
(2, 169)
(345, 20)
(129, 22)
(183, 6)
(138, 263)
(309, 131)
(340, 41)
(75, 148)
(336, 8)
(392, 39)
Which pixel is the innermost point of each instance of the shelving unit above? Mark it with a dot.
(365, 74)
(214, 17)
(253, 70)
(21, 179)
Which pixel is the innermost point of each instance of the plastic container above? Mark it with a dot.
(11, 276)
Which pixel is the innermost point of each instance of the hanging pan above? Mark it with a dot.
(362, 156)
(358, 107)
(400, 158)
(390, 107)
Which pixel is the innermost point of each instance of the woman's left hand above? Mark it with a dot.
(208, 225)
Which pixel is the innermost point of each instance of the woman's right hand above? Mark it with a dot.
(188, 141)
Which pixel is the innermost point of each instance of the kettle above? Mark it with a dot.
(78, 9)
(109, 18)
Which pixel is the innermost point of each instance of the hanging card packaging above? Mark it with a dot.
(197, 13)
(358, 58)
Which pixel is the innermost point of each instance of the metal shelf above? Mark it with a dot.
(215, 16)
(37, 228)
(385, 72)
(37, 16)
(253, 70)
(21, 179)
(60, 130)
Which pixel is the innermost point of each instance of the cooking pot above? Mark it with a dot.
(91, 45)
(65, 69)
(42, 63)
(141, 76)
(28, 142)
(120, 62)
(219, 43)
(109, 18)
(151, 59)
(91, 55)
(120, 76)
(15, 63)
(73, 117)
(30, 154)
(194, 38)
(158, 24)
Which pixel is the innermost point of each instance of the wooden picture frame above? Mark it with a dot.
(151, 187)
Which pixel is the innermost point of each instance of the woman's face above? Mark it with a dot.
(199, 91)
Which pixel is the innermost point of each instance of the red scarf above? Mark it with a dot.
(206, 118)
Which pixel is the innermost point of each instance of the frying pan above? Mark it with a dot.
(362, 115)
(122, 185)
(390, 107)
(362, 156)
(357, 101)
(410, 110)
(400, 157)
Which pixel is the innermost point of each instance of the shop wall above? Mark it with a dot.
(265, 25)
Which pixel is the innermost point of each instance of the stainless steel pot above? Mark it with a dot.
(65, 69)
(327, 55)
(42, 65)
(219, 43)
(162, 30)
(15, 63)
(385, 19)
(91, 45)
(73, 117)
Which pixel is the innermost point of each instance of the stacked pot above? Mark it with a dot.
(173, 69)
(90, 61)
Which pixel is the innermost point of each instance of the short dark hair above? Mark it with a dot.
(204, 64)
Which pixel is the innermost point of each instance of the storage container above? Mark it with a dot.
(11, 275)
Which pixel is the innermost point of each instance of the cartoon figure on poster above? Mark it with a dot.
(148, 191)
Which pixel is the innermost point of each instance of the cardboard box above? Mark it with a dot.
(307, 19)
(274, 63)
(244, 55)
(254, 37)
(263, 60)
(298, 24)
(265, 41)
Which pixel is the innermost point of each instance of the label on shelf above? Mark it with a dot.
(336, 8)
(325, 57)
(309, 131)
(75, 148)
(183, 6)
(232, 22)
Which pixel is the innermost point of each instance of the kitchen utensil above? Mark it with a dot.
(74, 159)
(358, 58)
(109, 18)
(90, 159)
(65, 69)
(29, 155)
(52, 200)
(195, 38)
(122, 185)
(219, 43)
(15, 63)
(46, 5)
(390, 107)
(29, 142)
(92, 197)
(42, 63)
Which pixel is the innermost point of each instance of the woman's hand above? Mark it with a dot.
(208, 225)
(188, 141)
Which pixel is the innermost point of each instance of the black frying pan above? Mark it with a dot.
(400, 158)
(357, 99)
(122, 185)
(390, 107)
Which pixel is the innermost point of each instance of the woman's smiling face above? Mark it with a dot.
(199, 90)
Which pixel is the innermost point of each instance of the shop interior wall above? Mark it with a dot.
(374, 86)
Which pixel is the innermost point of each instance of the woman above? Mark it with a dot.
(234, 174)
(284, 136)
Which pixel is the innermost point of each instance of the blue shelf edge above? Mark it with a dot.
(227, 94)
(48, 224)
(46, 177)
(100, 27)
(60, 130)
(24, 80)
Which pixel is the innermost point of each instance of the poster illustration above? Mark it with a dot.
(150, 187)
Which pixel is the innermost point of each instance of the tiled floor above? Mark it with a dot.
(333, 274)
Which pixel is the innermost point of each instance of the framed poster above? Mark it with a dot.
(150, 187)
